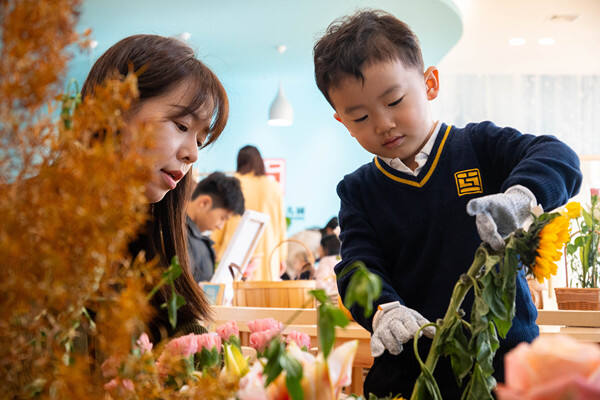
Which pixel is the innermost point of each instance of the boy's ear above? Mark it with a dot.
(432, 82)
(205, 201)
(337, 117)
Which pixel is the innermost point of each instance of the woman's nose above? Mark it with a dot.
(188, 150)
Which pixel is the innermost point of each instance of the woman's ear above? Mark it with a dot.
(432, 82)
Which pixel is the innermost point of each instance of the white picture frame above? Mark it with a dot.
(239, 251)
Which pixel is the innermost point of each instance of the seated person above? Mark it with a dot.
(329, 254)
(216, 198)
(332, 227)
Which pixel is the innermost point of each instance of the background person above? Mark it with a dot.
(262, 194)
(214, 200)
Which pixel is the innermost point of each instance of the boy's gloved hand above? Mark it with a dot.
(498, 215)
(394, 325)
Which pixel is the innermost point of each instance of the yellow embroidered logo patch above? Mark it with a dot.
(468, 182)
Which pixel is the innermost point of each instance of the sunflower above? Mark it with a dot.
(552, 239)
(572, 210)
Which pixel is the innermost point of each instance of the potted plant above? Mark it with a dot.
(582, 258)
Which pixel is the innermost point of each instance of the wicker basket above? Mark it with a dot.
(286, 294)
(578, 298)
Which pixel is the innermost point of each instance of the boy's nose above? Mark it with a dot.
(384, 124)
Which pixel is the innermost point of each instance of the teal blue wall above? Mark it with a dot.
(237, 39)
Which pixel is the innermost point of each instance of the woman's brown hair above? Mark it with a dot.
(250, 160)
(161, 63)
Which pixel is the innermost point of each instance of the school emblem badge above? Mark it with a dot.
(468, 182)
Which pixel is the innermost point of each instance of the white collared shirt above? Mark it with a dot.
(420, 158)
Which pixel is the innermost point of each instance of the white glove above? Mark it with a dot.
(499, 215)
(394, 325)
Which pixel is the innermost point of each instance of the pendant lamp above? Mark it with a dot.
(281, 112)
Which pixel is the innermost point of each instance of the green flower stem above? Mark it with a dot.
(458, 295)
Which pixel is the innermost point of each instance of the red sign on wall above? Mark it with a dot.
(275, 167)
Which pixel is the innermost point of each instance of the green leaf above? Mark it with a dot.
(207, 358)
(456, 345)
(293, 376)
(479, 387)
(273, 367)
(571, 248)
(320, 295)
(326, 331)
(363, 289)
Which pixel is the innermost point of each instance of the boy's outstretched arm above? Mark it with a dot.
(533, 169)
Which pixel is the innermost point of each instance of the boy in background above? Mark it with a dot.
(403, 214)
(214, 200)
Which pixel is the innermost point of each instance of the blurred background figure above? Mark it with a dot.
(261, 194)
(329, 252)
(214, 200)
(301, 256)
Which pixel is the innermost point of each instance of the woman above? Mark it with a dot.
(261, 194)
(187, 107)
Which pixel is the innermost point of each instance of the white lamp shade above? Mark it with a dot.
(280, 112)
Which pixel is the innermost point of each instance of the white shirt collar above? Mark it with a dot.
(420, 158)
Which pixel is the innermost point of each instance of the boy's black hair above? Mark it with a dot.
(331, 245)
(225, 192)
(357, 40)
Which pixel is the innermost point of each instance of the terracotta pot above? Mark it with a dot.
(578, 298)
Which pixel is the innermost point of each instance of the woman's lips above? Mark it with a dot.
(394, 142)
(168, 180)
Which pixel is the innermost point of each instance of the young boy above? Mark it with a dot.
(216, 198)
(404, 213)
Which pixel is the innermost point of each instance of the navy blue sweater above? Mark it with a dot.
(415, 234)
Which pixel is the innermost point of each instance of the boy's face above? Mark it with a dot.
(205, 216)
(388, 113)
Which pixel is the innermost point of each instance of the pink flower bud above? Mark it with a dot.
(259, 340)
(208, 341)
(301, 339)
(594, 191)
(259, 325)
(144, 343)
(228, 330)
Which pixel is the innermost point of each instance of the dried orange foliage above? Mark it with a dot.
(69, 205)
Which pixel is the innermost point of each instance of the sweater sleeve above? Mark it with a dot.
(543, 164)
(359, 243)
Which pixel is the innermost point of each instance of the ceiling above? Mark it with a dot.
(489, 24)
(238, 38)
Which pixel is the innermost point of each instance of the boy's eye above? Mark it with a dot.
(361, 119)
(181, 127)
(393, 103)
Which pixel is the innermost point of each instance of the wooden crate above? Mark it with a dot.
(577, 298)
(286, 294)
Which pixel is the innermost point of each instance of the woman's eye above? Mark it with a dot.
(393, 103)
(181, 127)
(361, 119)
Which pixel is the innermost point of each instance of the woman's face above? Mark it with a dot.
(176, 139)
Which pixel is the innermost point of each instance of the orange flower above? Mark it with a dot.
(552, 238)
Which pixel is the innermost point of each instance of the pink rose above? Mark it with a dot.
(594, 191)
(259, 340)
(228, 330)
(182, 346)
(552, 367)
(208, 341)
(301, 339)
(265, 324)
(144, 343)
